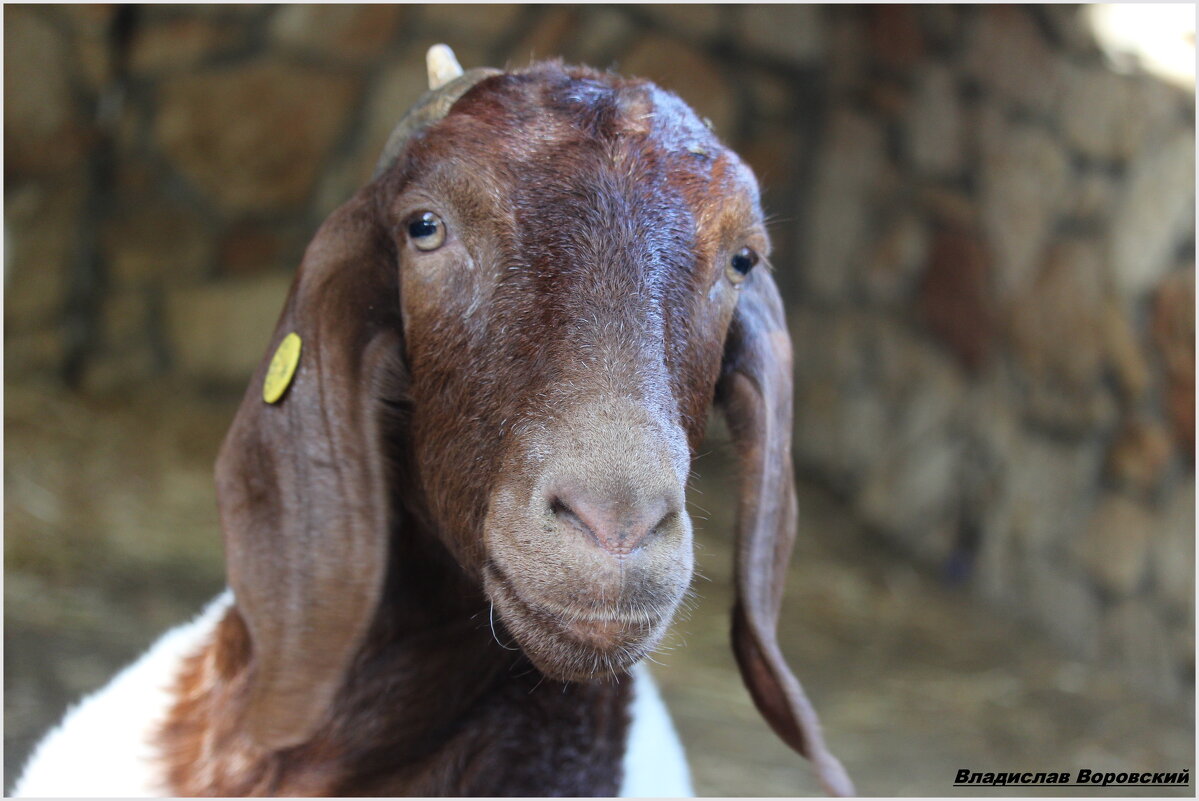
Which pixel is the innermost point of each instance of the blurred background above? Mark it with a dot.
(984, 230)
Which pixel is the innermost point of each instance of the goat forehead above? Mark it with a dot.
(570, 155)
(555, 117)
(611, 202)
(620, 203)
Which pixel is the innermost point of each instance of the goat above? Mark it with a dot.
(454, 521)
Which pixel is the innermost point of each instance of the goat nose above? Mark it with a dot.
(618, 526)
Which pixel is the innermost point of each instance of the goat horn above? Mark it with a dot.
(448, 83)
(443, 65)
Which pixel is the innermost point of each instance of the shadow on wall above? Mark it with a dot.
(984, 234)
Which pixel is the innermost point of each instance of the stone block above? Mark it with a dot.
(956, 297)
(1114, 545)
(1173, 321)
(829, 345)
(1173, 330)
(888, 98)
(1155, 212)
(1093, 110)
(35, 353)
(1112, 117)
(1065, 605)
(1057, 323)
(1172, 552)
(1025, 183)
(846, 60)
(910, 463)
(992, 415)
(774, 155)
(698, 22)
(950, 207)
(789, 32)
(1067, 412)
(1070, 29)
(397, 86)
(349, 32)
(998, 573)
(475, 23)
(933, 125)
(181, 43)
(253, 247)
(1139, 455)
(1135, 640)
(126, 319)
(1047, 491)
(87, 20)
(842, 423)
(941, 26)
(1125, 354)
(41, 239)
(218, 333)
(1180, 409)
(843, 199)
(605, 32)
(916, 378)
(548, 36)
(114, 369)
(253, 136)
(42, 129)
(895, 35)
(1093, 198)
(155, 239)
(1157, 110)
(1007, 55)
(775, 97)
(239, 13)
(910, 494)
(838, 433)
(998, 570)
(896, 259)
(89, 28)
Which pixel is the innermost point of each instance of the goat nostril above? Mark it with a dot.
(618, 530)
(560, 510)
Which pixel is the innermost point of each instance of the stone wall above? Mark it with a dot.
(985, 236)
(995, 317)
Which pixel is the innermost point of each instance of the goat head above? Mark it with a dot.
(552, 277)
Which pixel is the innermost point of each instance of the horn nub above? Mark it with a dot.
(443, 65)
(449, 83)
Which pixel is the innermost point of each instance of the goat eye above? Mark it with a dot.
(427, 231)
(742, 262)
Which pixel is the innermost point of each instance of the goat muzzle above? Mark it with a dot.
(590, 555)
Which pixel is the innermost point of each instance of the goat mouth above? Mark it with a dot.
(566, 645)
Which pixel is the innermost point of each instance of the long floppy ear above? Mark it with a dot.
(300, 481)
(755, 391)
(300, 477)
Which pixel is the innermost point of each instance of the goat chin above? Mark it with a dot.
(572, 646)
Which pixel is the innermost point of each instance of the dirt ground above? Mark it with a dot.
(111, 537)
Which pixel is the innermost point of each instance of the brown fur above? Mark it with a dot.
(467, 439)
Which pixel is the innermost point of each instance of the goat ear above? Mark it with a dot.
(300, 482)
(755, 392)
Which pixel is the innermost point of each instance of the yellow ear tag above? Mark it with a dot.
(283, 367)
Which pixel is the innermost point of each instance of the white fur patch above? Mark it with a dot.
(654, 763)
(103, 746)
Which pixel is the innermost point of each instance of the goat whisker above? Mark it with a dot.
(496, 637)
